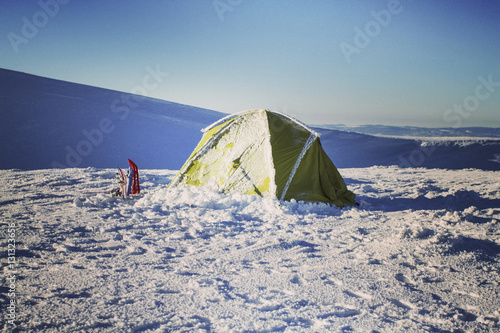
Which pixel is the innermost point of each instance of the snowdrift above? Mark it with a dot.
(49, 123)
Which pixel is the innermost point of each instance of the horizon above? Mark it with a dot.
(391, 63)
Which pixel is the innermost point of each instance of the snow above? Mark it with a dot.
(355, 150)
(422, 132)
(48, 123)
(420, 254)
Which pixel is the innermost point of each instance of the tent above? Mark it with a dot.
(265, 153)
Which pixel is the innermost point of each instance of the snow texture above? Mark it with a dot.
(420, 254)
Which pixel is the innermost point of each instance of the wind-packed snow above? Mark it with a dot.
(420, 254)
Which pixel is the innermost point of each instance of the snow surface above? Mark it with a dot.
(420, 254)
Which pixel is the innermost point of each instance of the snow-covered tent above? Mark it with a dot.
(265, 153)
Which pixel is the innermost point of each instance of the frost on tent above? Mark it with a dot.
(268, 154)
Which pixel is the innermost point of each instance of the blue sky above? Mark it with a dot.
(417, 63)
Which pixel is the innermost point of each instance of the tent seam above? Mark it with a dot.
(269, 155)
(224, 119)
(298, 122)
(312, 137)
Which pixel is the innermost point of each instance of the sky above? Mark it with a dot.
(393, 62)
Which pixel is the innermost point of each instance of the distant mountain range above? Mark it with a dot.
(410, 131)
(49, 123)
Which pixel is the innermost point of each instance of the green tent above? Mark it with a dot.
(265, 153)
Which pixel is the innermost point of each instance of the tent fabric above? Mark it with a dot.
(265, 153)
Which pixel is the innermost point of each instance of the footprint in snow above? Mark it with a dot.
(401, 278)
(340, 312)
(269, 308)
(332, 281)
(136, 250)
(296, 280)
(357, 294)
(402, 304)
(374, 262)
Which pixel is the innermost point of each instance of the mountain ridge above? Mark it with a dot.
(416, 131)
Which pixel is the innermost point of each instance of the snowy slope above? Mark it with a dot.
(420, 254)
(49, 123)
(355, 150)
